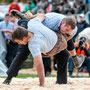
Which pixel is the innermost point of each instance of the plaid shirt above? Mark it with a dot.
(53, 21)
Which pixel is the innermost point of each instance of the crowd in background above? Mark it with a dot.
(80, 9)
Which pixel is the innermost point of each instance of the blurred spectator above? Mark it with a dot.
(87, 5)
(3, 51)
(14, 20)
(81, 25)
(64, 7)
(12, 47)
(82, 47)
(80, 6)
(6, 26)
(88, 17)
(41, 11)
(40, 5)
(49, 7)
(85, 33)
(29, 6)
(14, 5)
(36, 1)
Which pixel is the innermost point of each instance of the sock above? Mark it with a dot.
(74, 56)
(70, 73)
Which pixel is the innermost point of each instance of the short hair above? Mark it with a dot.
(19, 33)
(70, 21)
(11, 15)
(7, 14)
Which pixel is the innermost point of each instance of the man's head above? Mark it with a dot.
(6, 18)
(12, 18)
(15, 2)
(67, 25)
(20, 35)
(82, 17)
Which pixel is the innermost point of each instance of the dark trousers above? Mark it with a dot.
(47, 64)
(22, 55)
(11, 52)
(61, 59)
(85, 63)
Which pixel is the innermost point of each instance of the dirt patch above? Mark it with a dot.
(33, 84)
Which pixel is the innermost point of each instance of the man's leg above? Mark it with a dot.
(62, 59)
(22, 52)
(87, 63)
(47, 65)
(20, 57)
(12, 49)
(70, 66)
(77, 60)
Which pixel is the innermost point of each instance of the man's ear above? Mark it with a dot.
(24, 38)
(63, 22)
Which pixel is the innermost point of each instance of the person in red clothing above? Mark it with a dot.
(14, 5)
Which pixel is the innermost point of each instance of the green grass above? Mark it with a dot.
(20, 75)
(80, 77)
(30, 75)
(26, 75)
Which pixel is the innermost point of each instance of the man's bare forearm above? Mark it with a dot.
(41, 16)
(40, 69)
(69, 37)
(7, 31)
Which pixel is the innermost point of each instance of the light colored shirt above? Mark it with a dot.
(53, 21)
(43, 40)
(8, 26)
(15, 24)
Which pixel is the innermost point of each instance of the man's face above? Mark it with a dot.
(24, 41)
(82, 19)
(6, 19)
(12, 19)
(65, 29)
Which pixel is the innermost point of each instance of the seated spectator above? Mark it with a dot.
(81, 48)
(14, 5)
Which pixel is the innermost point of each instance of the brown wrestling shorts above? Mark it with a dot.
(60, 45)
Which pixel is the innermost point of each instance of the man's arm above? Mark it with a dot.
(7, 31)
(85, 49)
(69, 37)
(40, 68)
(41, 16)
